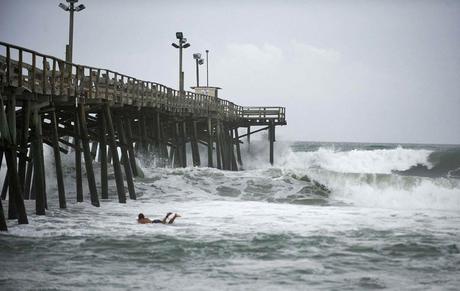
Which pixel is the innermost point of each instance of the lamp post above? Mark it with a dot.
(199, 61)
(207, 69)
(182, 44)
(71, 8)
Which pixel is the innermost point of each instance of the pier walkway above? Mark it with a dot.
(110, 118)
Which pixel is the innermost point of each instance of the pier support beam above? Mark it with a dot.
(103, 155)
(88, 156)
(77, 148)
(237, 144)
(210, 143)
(114, 151)
(125, 159)
(39, 175)
(271, 136)
(15, 194)
(57, 160)
(194, 145)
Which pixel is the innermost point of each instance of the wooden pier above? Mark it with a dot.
(111, 118)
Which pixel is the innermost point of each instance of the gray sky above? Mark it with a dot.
(364, 71)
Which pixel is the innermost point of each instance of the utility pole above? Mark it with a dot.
(207, 69)
(199, 61)
(181, 45)
(71, 8)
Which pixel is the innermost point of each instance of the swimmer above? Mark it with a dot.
(144, 220)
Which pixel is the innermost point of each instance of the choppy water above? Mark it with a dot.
(326, 216)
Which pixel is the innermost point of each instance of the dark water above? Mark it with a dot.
(327, 216)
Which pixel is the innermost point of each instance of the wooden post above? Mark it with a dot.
(194, 146)
(3, 226)
(88, 156)
(218, 146)
(177, 151)
(94, 149)
(125, 159)
(184, 144)
(210, 143)
(103, 155)
(8, 134)
(28, 179)
(249, 138)
(57, 160)
(24, 141)
(6, 181)
(39, 175)
(129, 144)
(237, 144)
(11, 115)
(271, 134)
(114, 151)
(231, 143)
(77, 147)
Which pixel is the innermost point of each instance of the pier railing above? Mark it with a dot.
(56, 78)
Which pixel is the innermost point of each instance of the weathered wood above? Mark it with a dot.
(271, 135)
(28, 179)
(218, 146)
(88, 156)
(103, 155)
(6, 182)
(177, 150)
(114, 151)
(130, 148)
(183, 143)
(3, 226)
(249, 139)
(238, 150)
(57, 161)
(11, 115)
(39, 175)
(24, 140)
(77, 147)
(125, 159)
(194, 145)
(210, 142)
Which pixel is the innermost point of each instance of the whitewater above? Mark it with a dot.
(325, 216)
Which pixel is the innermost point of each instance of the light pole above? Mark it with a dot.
(71, 8)
(207, 69)
(199, 61)
(182, 45)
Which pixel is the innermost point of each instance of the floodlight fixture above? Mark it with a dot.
(80, 7)
(200, 61)
(197, 56)
(175, 45)
(64, 7)
(186, 45)
(179, 35)
(183, 40)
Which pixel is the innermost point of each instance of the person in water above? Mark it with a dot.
(144, 220)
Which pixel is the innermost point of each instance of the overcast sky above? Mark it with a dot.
(364, 71)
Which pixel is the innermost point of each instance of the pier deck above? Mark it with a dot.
(109, 117)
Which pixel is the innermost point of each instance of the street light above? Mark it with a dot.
(71, 8)
(182, 44)
(207, 69)
(199, 61)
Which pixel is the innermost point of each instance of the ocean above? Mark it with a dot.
(330, 216)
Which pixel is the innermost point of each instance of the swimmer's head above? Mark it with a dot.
(140, 216)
